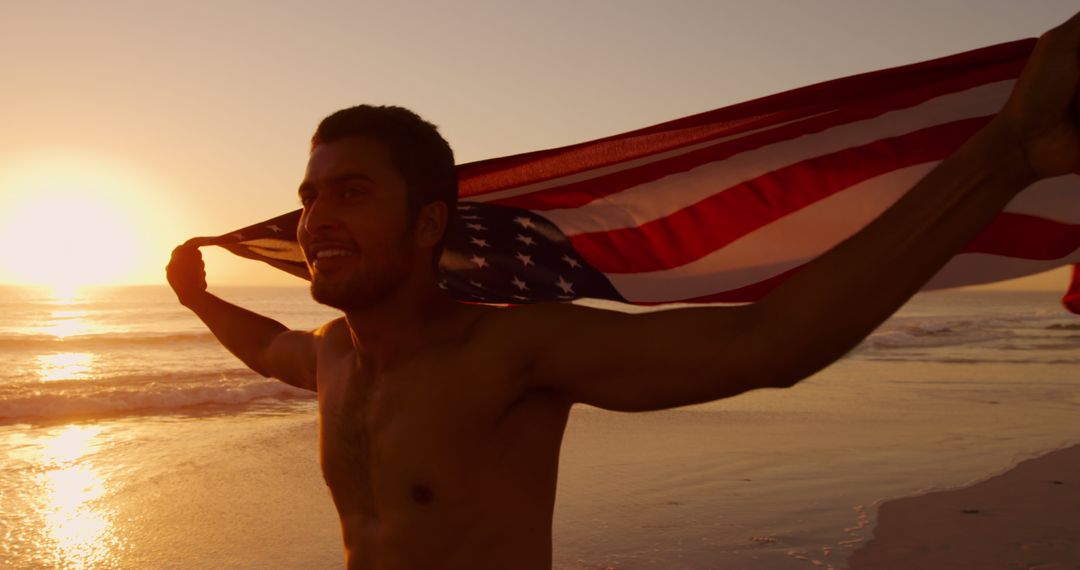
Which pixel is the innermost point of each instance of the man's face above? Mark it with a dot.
(354, 229)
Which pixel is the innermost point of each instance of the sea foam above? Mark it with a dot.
(139, 394)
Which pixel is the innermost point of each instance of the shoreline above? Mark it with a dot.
(1026, 517)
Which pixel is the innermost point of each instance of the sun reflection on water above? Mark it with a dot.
(64, 366)
(71, 443)
(74, 527)
(68, 322)
(72, 523)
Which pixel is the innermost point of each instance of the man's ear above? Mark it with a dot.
(431, 223)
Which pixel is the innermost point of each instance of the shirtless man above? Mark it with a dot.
(440, 422)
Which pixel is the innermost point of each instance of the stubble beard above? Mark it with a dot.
(355, 291)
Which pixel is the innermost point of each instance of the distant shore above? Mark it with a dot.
(1027, 517)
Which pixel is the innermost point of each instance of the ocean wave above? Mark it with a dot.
(934, 339)
(936, 333)
(101, 341)
(122, 396)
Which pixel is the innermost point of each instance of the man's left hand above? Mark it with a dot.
(1043, 111)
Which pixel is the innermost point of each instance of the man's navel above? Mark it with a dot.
(421, 494)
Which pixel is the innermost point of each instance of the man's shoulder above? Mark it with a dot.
(336, 330)
(330, 326)
(521, 323)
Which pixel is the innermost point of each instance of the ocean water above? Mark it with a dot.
(130, 438)
(128, 350)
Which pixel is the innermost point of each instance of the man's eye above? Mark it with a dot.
(306, 200)
(350, 193)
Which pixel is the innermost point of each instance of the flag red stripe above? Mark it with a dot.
(579, 193)
(861, 96)
(699, 229)
(1010, 235)
(1026, 237)
(1071, 300)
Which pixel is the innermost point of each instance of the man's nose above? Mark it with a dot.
(319, 215)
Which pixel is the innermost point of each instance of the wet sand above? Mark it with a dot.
(1028, 517)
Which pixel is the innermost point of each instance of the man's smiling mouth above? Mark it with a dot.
(328, 257)
(325, 253)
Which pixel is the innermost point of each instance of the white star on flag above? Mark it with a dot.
(476, 284)
(478, 261)
(479, 242)
(567, 287)
(573, 262)
(525, 240)
(520, 284)
(275, 228)
(526, 260)
(524, 222)
(476, 227)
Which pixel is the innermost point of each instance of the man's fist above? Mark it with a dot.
(186, 273)
(1041, 111)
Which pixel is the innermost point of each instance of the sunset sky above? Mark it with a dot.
(162, 120)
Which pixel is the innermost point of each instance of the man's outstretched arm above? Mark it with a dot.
(263, 344)
(685, 356)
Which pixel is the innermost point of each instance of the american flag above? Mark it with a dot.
(725, 205)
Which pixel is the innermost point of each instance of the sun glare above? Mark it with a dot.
(66, 223)
(65, 240)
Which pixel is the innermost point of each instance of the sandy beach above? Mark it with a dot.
(1027, 517)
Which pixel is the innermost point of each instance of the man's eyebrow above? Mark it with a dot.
(339, 179)
(351, 176)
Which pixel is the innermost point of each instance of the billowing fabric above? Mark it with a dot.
(725, 205)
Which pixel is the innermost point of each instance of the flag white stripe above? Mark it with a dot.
(802, 235)
(654, 200)
(979, 268)
(1056, 199)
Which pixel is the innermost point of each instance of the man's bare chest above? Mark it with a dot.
(409, 437)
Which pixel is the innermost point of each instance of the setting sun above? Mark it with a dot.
(71, 222)
(65, 240)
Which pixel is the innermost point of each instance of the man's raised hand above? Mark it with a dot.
(265, 345)
(186, 272)
(1043, 110)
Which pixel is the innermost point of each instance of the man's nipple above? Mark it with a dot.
(421, 494)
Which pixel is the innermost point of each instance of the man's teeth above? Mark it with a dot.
(332, 253)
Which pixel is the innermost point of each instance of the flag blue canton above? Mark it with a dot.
(498, 254)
